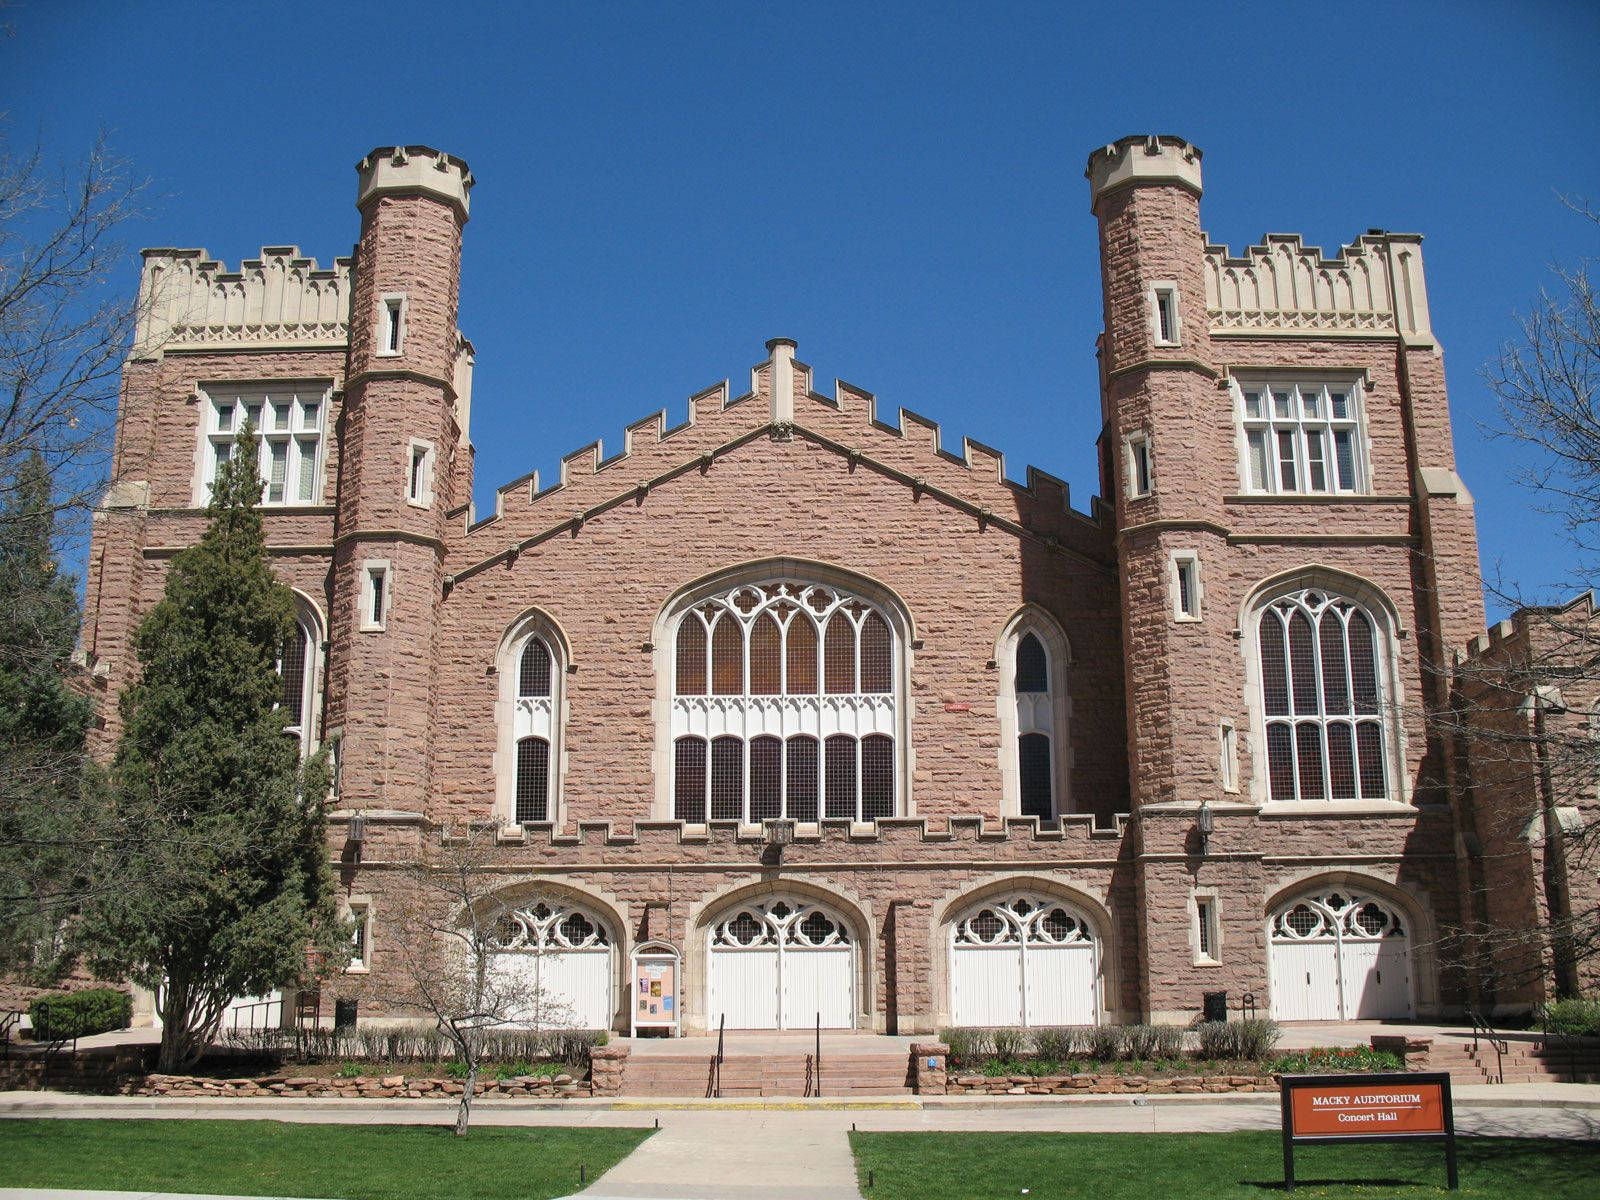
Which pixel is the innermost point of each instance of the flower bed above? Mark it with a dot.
(1077, 1084)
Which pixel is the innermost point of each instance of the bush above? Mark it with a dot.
(967, 1046)
(1008, 1043)
(1574, 1018)
(1153, 1041)
(1056, 1045)
(1253, 1040)
(58, 1016)
(404, 1046)
(1332, 1059)
(1103, 1042)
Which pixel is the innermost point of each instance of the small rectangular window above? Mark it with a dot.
(1205, 911)
(1228, 737)
(392, 325)
(419, 474)
(375, 596)
(1165, 300)
(1139, 467)
(1186, 587)
(360, 937)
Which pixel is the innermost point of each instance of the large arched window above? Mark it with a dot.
(1032, 657)
(785, 703)
(1322, 703)
(532, 664)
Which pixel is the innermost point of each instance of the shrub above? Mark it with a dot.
(1153, 1041)
(58, 1016)
(1328, 1059)
(1103, 1042)
(1056, 1045)
(967, 1046)
(1253, 1040)
(1575, 1018)
(1008, 1043)
(350, 1070)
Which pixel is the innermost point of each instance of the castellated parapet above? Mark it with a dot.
(1145, 159)
(407, 170)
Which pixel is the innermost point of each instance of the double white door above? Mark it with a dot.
(1341, 980)
(563, 989)
(1013, 985)
(781, 987)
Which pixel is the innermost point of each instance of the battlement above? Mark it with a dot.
(1143, 159)
(1372, 287)
(409, 170)
(1574, 625)
(190, 301)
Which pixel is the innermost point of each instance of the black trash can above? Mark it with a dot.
(1215, 1007)
(344, 1014)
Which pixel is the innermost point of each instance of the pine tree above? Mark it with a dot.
(227, 885)
(43, 822)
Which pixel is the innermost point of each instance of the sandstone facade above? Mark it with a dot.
(1158, 713)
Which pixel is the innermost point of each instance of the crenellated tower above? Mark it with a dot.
(406, 462)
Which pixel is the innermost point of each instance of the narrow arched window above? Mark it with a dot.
(1039, 705)
(297, 672)
(785, 704)
(1321, 698)
(531, 667)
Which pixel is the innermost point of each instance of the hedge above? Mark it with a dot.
(58, 1016)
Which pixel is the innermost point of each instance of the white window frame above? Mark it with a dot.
(517, 717)
(303, 725)
(1391, 700)
(747, 716)
(359, 909)
(1205, 924)
(335, 744)
(419, 477)
(1228, 747)
(371, 569)
(1049, 713)
(393, 313)
(300, 438)
(1136, 453)
(1179, 563)
(1292, 418)
(1163, 296)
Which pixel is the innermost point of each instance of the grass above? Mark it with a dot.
(352, 1162)
(1219, 1166)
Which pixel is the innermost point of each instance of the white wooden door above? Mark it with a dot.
(1376, 981)
(744, 988)
(579, 981)
(1305, 981)
(1059, 985)
(986, 985)
(817, 982)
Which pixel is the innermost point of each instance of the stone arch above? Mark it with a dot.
(1391, 630)
(1032, 618)
(1383, 883)
(1091, 901)
(703, 913)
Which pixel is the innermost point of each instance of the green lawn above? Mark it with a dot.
(1139, 1166)
(348, 1162)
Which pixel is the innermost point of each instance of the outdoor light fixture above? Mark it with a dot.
(1204, 823)
(357, 832)
(779, 833)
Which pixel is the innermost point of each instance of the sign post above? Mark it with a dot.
(1394, 1107)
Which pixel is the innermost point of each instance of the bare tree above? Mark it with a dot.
(64, 323)
(446, 933)
(1526, 712)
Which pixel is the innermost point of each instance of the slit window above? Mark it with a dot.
(392, 325)
(1140, 474)
(1186, 587)
(375, 596)
(419, 474)
(1164, 301)
(1205, 912)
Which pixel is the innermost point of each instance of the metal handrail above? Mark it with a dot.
(9, 1020)
(234, 1013)
(1481, 1026)
(818, 1089)
(716, 1063)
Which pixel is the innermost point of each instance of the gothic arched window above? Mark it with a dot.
(1032, 656)
(532, 665)
(1322, 698)
(785, 704)
(297, 668)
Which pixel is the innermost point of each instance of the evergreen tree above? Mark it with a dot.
(43, 822)
(227, 888)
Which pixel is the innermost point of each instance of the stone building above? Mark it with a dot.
(1034, 764)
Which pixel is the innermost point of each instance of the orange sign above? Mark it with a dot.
(1363, 1110)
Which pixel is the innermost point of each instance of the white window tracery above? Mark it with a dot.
(1337, 915)
(534, 720)
(531, 666)
(785, 703)
(1022, 920)
(1322, 698)
(1035, 758)
(549, 926)
(786, 922)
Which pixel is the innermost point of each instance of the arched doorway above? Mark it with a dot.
(561, 956)
(780, 962)
(1340, 955)
(1023, 959)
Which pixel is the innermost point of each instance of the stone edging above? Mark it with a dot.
(365, 1086)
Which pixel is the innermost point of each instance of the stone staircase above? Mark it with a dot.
(1522, 1062)
(842, 1076)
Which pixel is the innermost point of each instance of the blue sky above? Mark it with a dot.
(662, 187)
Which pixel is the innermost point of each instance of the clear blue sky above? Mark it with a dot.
(900, 187)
